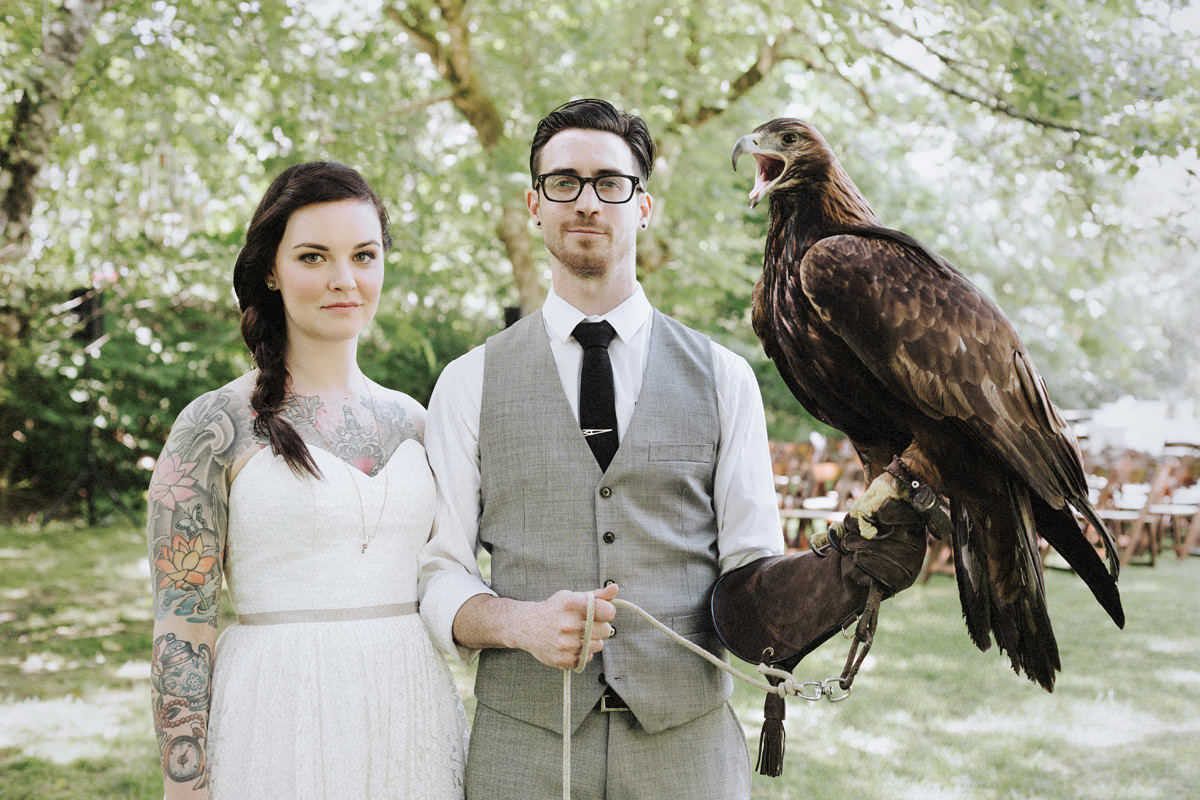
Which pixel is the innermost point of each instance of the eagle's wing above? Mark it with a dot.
(935, 340)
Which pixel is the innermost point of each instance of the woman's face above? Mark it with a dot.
(329, 270)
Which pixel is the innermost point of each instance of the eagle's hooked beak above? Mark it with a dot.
(770, 166)
(746, 144)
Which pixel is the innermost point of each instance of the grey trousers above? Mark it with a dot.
(612, 758)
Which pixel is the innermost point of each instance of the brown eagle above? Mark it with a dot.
(882, 339)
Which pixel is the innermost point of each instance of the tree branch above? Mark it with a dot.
(834, 70)
(988, 98)
(418, 105)
(992, 103)
(455, 64)
(952, 63)
(768, 56)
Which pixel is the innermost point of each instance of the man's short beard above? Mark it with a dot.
(585, 265)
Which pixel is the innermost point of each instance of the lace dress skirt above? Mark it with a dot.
(335, 711)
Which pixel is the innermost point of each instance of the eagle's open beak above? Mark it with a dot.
(770, 166)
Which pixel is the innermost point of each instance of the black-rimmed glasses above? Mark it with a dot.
(564, 187)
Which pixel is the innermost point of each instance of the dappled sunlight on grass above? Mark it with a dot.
(1105, 722)
(69, 728)
(75, 717)
(76, 607)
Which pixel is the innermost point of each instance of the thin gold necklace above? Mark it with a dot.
(362, 509)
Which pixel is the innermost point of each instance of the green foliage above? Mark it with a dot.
(1014, 138)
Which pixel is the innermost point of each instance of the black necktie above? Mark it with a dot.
(597, 400)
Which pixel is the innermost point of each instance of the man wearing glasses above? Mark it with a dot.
(596, 445)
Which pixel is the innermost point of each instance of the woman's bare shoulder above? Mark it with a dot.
(399, 413)
(220, 421)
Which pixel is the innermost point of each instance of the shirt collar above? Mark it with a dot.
(627, 319)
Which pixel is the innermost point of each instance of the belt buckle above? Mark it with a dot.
(605, 708)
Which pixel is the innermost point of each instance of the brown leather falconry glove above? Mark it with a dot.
(778, 609)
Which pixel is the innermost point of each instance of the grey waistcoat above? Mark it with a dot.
(551, 520)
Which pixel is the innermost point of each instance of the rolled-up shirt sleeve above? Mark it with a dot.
(448, 573)
(747, 511)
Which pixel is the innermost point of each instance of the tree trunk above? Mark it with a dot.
(513, 231)
(453, 58)
(36, 120)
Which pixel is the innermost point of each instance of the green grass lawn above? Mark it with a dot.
(930, 716)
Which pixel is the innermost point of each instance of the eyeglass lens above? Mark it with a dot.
(609, 188)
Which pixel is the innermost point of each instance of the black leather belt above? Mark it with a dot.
(611, 701)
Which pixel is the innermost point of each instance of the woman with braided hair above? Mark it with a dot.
(304, 486)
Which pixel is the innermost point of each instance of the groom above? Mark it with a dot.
(596, 445)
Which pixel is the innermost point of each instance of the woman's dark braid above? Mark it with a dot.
(268, 344)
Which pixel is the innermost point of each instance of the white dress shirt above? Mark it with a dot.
(743, 484)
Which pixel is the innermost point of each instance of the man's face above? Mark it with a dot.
(589, 238)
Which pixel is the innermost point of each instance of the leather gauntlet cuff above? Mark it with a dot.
(778, 609)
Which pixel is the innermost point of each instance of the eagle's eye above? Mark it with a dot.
(790, 138)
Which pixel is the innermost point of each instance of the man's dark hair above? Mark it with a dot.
(598, 115)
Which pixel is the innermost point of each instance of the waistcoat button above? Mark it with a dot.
(609, 537)
(605, 491)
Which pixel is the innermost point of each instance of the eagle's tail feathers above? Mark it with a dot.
(1110, 546)
(1022, 625)
(1062, 532)
(1008, 586)
(974, 594)
(1023, 632)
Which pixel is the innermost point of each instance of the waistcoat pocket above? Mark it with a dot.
(701, 453)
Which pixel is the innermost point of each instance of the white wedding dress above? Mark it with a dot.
(316, 696)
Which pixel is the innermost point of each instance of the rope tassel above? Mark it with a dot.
(773, 738)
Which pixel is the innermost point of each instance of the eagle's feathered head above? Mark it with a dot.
(788, 152)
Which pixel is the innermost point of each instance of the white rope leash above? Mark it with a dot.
(786, 687)
(585, 647)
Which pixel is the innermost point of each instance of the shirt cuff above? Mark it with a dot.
(743, 557)
(445, 592)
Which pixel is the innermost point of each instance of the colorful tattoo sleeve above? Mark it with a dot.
(186, 529)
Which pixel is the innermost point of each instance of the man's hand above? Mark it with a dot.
(551, 631)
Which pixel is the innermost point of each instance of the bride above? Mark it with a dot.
(304, 486)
